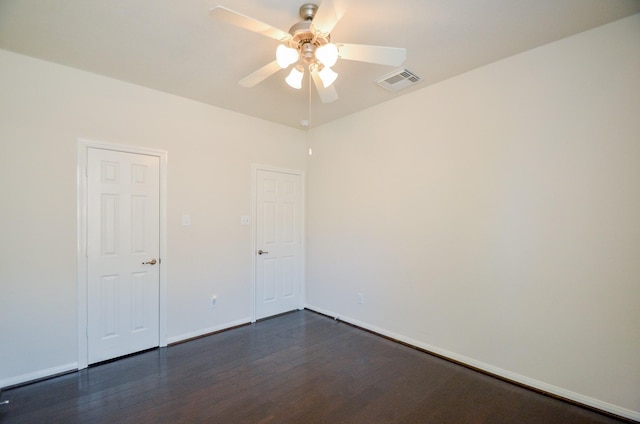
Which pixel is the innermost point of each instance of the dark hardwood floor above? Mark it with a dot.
(295, 368)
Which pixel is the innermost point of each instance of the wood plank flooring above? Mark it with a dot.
(295, 368)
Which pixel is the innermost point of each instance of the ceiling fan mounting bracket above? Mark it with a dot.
(308, 11)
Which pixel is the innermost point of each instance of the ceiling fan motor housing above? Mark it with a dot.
(302, 38)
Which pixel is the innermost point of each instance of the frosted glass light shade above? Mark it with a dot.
(294, 79)
(327, 54)
(328, 76)
(285, 56)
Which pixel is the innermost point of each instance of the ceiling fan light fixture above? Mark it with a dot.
(328, 76)
(294, 79)
(308, 45)
(285, 56)
(327, 54)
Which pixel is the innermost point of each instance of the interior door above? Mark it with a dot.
(278, 243)
(123, 244)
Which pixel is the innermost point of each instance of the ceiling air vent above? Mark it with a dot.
(398, 79)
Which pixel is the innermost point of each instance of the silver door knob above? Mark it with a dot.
(151, 262)
(262, 252)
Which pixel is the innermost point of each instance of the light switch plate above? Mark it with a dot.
(186, 220)
(245, 220)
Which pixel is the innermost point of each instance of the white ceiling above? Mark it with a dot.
(175, 47)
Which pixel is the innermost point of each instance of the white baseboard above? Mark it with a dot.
(49, 372)
(205, 331)
(36, 375)
(530, 382)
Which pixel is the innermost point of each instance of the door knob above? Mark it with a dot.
(151, 262)
(262, 252)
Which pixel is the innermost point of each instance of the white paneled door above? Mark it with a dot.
(278, 243)
(123, 244)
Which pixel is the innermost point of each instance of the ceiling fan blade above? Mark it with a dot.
(260, 75)
(392, 56)
(328, 94)
(242, 21)
(327, 16)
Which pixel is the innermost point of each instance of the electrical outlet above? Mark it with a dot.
(361, 298)
(214, 300)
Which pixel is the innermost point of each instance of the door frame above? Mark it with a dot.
(254, 232)
(83, 147)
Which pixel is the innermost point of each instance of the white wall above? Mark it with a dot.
(44, 109)
(495, 217)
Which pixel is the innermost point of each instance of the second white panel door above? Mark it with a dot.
(278, 243)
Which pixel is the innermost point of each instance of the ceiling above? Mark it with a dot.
(175, 47)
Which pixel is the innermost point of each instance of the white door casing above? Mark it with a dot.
(279, 241)
(122, 300)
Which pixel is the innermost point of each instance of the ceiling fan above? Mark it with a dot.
(308, 46)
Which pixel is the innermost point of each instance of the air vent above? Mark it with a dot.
(398, 79)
